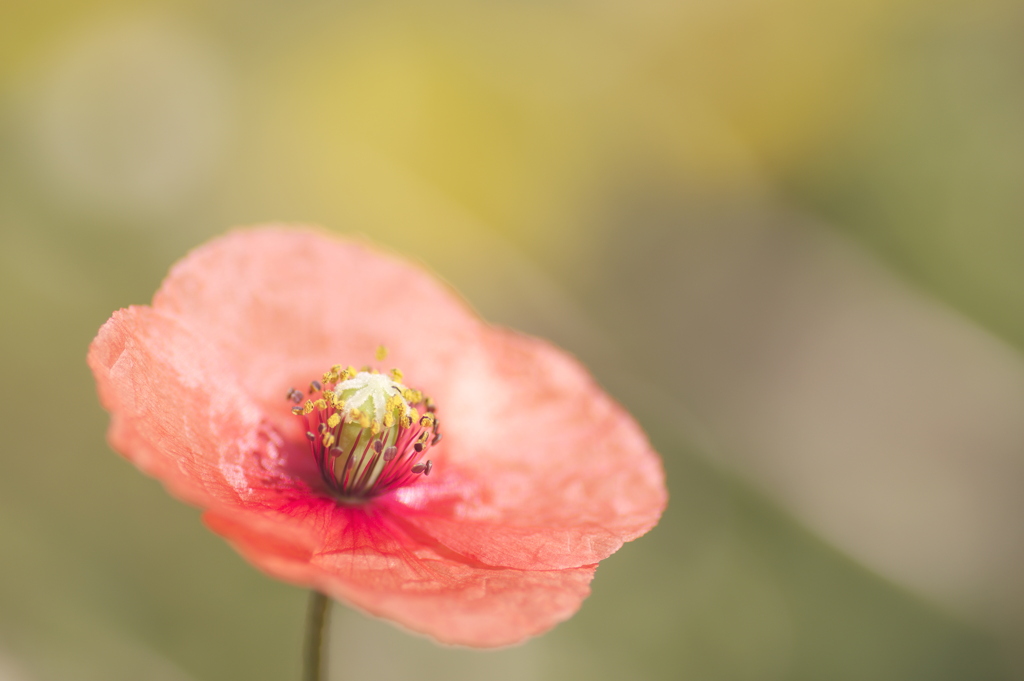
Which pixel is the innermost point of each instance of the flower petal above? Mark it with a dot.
(179, 416)
(365, 557)
(283, 305)
(540, 468)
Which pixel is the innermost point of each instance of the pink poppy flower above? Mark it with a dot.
(235, 389)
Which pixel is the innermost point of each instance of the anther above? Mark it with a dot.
(368, 430)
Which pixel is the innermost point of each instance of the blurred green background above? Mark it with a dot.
(787, 234)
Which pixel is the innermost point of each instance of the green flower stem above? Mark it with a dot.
(316, 627)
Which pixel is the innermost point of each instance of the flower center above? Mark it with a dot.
(367, 431)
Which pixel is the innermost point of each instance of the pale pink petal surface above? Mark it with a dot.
(376, 565)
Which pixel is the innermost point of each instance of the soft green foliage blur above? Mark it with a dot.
(787, 234)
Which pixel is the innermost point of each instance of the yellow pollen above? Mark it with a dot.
(328, 439)
(396, 375)
(375, 426)
(382, 353)
(364, 420)
(334, 420)
(389, 420)
(427, 420)
(307, 408)
(321, 404)
(406, 421)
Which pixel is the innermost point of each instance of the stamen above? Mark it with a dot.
(367, 431)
